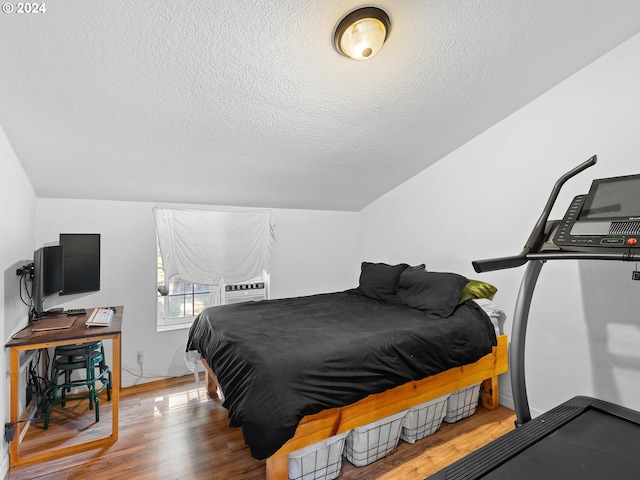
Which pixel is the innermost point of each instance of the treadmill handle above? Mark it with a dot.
(537, 234)
(501, 263)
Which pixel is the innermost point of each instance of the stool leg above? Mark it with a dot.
(82, 357)
(67, 379)
(46, 416)
(90, 378)
(109, 385)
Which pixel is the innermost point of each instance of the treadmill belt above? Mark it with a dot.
(594, 445)
(583, 438)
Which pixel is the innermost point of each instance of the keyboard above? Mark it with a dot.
(101, 317)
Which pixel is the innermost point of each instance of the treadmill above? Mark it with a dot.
(583, 438)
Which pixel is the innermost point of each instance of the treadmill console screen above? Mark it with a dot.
(613, 199)
(607, 217)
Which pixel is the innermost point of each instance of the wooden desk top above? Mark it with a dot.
(78, 330)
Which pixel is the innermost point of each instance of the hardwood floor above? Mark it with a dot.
(172, 430)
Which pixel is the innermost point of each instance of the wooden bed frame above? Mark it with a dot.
(325, 424)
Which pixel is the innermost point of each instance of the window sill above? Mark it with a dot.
(183, 325)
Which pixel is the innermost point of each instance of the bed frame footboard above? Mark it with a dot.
(325, 424)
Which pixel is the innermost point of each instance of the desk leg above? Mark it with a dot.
(115, 388)
(14, 372)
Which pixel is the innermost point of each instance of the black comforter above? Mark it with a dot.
(279, 360)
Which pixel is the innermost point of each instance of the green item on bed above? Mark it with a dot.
(477, 289)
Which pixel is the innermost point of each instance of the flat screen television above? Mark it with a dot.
(46, 276)
(80, 262)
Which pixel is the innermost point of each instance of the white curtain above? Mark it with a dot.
(204, 246)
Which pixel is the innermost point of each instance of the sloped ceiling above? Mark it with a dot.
(238, 102)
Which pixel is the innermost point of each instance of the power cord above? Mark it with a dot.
(40, 388)
(10, 427)
(141, 375)
(40, 385)
(25, 274)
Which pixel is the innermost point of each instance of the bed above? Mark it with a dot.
(296, 371)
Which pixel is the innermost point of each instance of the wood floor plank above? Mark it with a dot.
(171, 429)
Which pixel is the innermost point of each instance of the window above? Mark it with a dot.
(182, 301)
(203, 249)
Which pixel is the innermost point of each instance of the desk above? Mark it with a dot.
(26, 340)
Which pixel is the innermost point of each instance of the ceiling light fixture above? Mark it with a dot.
(361, 34)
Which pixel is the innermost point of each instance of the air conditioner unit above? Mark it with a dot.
(244, 292)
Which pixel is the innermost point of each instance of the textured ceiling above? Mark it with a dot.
(247, 102)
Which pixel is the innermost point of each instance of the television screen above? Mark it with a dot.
(47, 276)
(80, 262)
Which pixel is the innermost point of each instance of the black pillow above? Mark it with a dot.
(422, 266)
(435, 293)
(380, 281)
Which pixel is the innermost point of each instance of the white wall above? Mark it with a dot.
(482, 201)
(17, 217)
(316, 251)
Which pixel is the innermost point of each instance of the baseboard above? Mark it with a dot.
(131, 376)
(506, 401)
(4, 466)
(29, 413)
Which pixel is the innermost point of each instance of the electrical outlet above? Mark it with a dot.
(141, 356)
(635, 275)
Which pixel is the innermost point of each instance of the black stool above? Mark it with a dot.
(88, 357)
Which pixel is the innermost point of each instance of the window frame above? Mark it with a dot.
(177, 323)
(166, 324)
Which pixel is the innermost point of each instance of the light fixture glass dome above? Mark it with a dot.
(361, 34)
